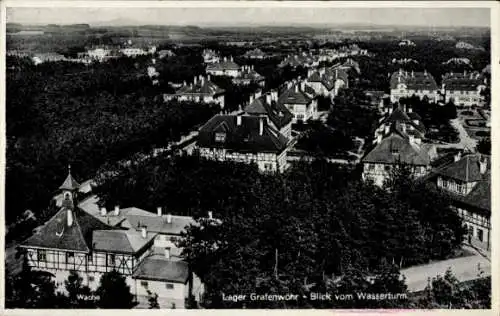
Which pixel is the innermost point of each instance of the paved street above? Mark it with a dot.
(465, 140)
(465, 269)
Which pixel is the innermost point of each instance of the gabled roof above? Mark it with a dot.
(224, 65)
(244, 138)
(414, 80)
(55, 233)
(296, 96)
(121, 241)
(158, 268)
(203, 87)
(277, 112)
(255, 52)
(466, 169)
(461, 81)
(396, 148)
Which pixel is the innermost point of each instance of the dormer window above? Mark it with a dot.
(394, 151)
(220, 137)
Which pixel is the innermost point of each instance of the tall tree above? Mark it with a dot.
(114, 292)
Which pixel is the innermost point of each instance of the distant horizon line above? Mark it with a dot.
(211, 25)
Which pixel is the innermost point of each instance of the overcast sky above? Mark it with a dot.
(446, 17)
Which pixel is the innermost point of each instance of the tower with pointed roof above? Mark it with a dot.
(69, 189)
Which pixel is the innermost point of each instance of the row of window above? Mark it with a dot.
(452, 186)
(70, 257)
(169, 286)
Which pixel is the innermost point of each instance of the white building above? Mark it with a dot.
(227, 67)
(467, 181)
(398, 140)
(133, 51)
(244, 138)
(300, 99)
(327, 81)
(99, 53)
(463, 89)
(406, 84)
(202, 89)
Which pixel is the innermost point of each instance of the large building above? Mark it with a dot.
(467, 180)
(248, 75)
(398, 141)
(300, 99)
(74, 239)
(277, 114)
(256, 53)
(406, 84)
(226, 67)
(202, 89)
(244, 138)
(463, 89)
(327, 81)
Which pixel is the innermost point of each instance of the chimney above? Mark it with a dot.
(274, 95)
(379, 138)
(387, 128)
(296, 88)
(410, 109)
(302, 86)
(184, 83)
(261, 126)
(169, 218)
(159, 211)
(195, 81)
(269, 98)
(117, 210)
(457, 157)
(103, 211)
(310, 72)
(210, 215)
(390, 110)
(208, 77)
(238, 120)
(144, 232)
(69, 217)
(251, 99)
(483, 165)
(167, 252)
(225, 58)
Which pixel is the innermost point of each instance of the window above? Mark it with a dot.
(387, 168)
(394, 151)
(91, 278)
(42, 256)
(371, 166)
(111, 260)
(268, 166)
(220, 137)
(70, 257)
(144, 284)
(480, 234)
(170, 286)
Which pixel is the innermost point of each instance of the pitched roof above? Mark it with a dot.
(203, 87)
(159, 224)
(224, 65)
(414, 80)
(328, 76)
(466, 169)
(158, 268)
(396, 148)
(121, 241)
(69, 183)
(461, 81)
(277, 112)
(55, 234)
(255, 52)
(245, 137)
(295, 95)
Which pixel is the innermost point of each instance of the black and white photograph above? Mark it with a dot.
(248, 155)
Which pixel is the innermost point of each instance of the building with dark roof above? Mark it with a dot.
(248, 75)
(404, 84)
(463, 89)
(84, 239)
(306, 60)
(327, 81)
(226, 67)
(277, 114)
(202, 89)
(244, 138)
(398, 141)
(467, 181)
(209, 56)
(300, 99)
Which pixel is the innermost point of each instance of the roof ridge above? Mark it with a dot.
(75, 222)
